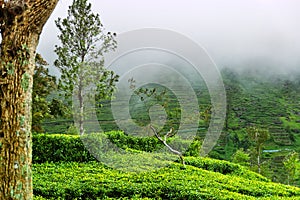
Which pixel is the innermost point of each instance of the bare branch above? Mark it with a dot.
(164, 141)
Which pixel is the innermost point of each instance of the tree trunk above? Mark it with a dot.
(258, 160)
(81, 106)
(21, 24)
(258, 164)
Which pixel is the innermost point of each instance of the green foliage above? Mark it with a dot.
(291, 162)
(258, 136)
(203, 178)
(70, 147)
(43, 85)
(194, 148)
(262, 101)
(95, 181)
(255, 101)
(240, 157)
(59, 109)
(224, 167)
(42, 198)
(148, 144)
(72, 130)
(149, 95)
(58, 148)
(80, 56)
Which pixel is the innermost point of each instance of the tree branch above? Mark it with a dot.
(164, 141)
(33, 12)
(9, 9)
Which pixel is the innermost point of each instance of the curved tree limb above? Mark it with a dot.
(164, 141)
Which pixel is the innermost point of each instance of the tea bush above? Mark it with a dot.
(64, 169)
(57, 148)
(61, 147)
(95, 181)
(224, 167)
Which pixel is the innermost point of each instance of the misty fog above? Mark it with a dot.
(247, 34)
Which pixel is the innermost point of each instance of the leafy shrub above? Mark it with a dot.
(95, 181)
(58, 148)
(72, 130)
(122, 140)
(224, 167)
(194, 148)
(240, 157)
(75, 148)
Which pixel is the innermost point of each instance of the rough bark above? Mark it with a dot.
(21, 23)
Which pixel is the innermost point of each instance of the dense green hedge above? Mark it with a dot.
(148, 144)
(224, 167)
(105, 198)
(95, 181)
(70, 148)
(77, 175)
(58, 148)
(61, 147)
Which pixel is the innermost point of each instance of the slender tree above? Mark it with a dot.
(232, 90)
(259, 136)
(80, 55)
(21, 23)
(290, 163)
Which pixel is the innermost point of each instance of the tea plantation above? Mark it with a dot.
(270, 102)
(64, 169)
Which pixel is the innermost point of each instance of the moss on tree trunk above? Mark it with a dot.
(21, 24)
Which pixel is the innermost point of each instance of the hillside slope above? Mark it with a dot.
(93, 180)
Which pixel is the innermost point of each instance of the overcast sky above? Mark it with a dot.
(236, 33)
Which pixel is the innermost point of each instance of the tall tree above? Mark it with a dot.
(80, 56)
(259, 136)
(290, 163)
(21, 23)
(232, 87)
